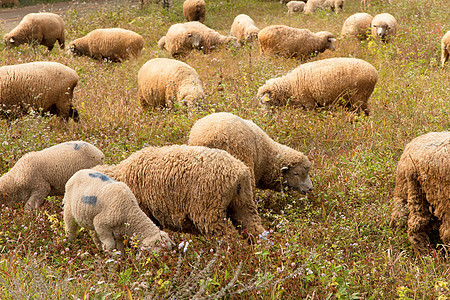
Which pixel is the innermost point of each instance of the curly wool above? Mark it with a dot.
(268, 160)
(295, 6)
(44, 173)
(357, 26)
(109, 209)
(244, 29)
(422, 189)
(43, 86)
(347, 82)
(292, 42)
(114, 44)
(384, 27)
(191, 189)
(445, 47)
(194, 10)
(43, 28)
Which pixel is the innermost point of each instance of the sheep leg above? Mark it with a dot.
(104, 233)
(444, 56)
(96, 240)
(37, 197)
(399, 212)
(119, 243)
(70, 225)
(444, 229)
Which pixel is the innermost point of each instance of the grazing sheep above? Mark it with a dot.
(292, 42)
(183, 37)
(44, 173)
(313, 5)
(109, 210)
(114, 44)
(295, 6)
(445, 46)
(162, 81)
(43, 86)
(6, 3)
(194, 10)
(357, 26)
(347, 82)
(384, 26)
(244, 29)
(422, 189)
(268, 160)
(43, 28)
(192, 189)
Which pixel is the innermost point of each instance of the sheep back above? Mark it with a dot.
(293, 42)
(194, 10)
(45, 173)
(244, 29)
(43, 86)
(295, 6)
(190, 189)
(114, 44)
(445, 47)
(357, 26)
(384, 26)
(44, 28)
(162, 81)
(347, 82)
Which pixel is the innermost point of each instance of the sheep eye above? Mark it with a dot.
(295, 174)
(189, 34)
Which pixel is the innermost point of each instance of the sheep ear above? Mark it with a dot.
(332, 40)
(189, 34)
(265, 98)
(11, 40)
(284, 169)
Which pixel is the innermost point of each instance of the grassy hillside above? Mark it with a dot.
(334, 243)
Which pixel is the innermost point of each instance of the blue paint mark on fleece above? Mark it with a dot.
(89, 199)
(76, 146)
(102, 177)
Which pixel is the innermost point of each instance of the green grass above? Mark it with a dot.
(334, 243)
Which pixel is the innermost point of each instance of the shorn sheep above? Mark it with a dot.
(163, 81)
(292, 42)
(112, 44)
(42, 28)
(182, 38)
(445, 47)
(347, 82)
(273, 166)
(194, 10)
(42, 86)
(384, 27)
(422, 190)
(357, 26)
(295, 7)
(109, 210)
(244, 29)
(313, 5)
(44, 173)
(190, 189)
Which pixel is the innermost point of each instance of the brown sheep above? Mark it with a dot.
(445, 46)
(384, 26)
(244, 29)
(194, 10)
(422, 189)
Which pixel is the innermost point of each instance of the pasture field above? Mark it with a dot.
(334, 243)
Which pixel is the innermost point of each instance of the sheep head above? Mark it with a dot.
(296, 177)
(158, 242)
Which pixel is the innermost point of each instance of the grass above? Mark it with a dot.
(334, 243)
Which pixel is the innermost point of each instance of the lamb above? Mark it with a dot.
(268, 160)
(445, 46)
(44, 173)
(244, 29)
(112, 44)
(190, 189)
(422, 189)
(357, 26)
(313, 5)
(292, 42)
(194, 10)
(384, 26)
(109, 210)
(346, 82)
(43, 86)
(162, 81)
(42, 28)
(295, 6)
(6, 3)
(183, 37)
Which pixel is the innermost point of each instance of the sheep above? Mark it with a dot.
(112, 44)
(42, 28)
(295, 6)
(422, 189)
(39, 174)
(109, 210)
(162, 81)
(313, 5)
(181, 38)
(268, 160)
(190, 189)
(384, 26)
(194, 10)
(6, 3)
(43, 86)
(292, 42)
(445, 46)
(347, 82)
(244, 29)
(357, 26)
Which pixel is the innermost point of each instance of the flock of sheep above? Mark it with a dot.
(227, 156)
